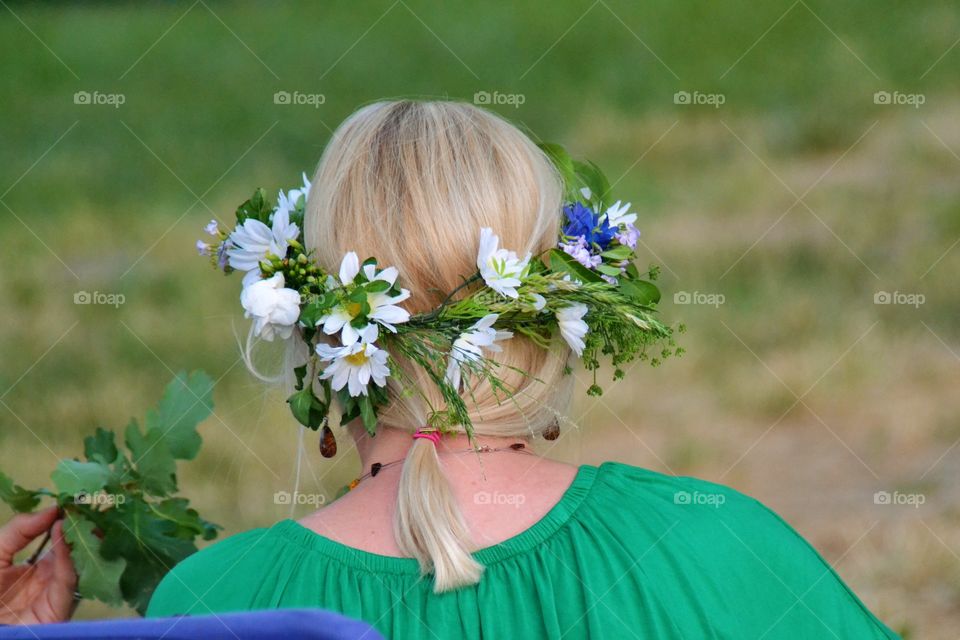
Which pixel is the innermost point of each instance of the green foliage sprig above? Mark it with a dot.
(125, 525)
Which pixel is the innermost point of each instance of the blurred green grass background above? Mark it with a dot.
(797, 200)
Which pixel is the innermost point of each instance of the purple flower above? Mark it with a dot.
(203, 248)
(222, 257)
(583, 222)
(581, 253)
(629, 236)
(212, 228)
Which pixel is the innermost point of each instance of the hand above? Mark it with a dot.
(40, 592)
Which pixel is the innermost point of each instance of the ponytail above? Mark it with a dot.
(429, 525)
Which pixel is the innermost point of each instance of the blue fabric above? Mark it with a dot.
(285, 624)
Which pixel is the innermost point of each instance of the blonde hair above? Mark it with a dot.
(412, 183)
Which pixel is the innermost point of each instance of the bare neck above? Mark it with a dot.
(363, 518)
(390, 445)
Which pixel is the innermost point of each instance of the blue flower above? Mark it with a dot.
(583, 222)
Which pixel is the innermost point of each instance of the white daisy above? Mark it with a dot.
(274, 308)
(383, 306)
(288, 201)
(353, 366)
(470, 345)
(502, 270)
(618, 214)
(572, 326)
(253, 240)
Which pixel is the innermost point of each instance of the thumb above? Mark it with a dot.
(21, 531)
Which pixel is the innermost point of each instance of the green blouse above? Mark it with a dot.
(626, 552)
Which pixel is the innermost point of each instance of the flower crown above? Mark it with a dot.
(586, 288)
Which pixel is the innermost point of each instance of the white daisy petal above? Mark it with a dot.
(388, 315)
(349, 335)
(470, 345)
(618, 214)
(349, 268)
(369, 333)
(389, 274)
(363, 375)
(251, 277)
(572, 327)
(333, 322)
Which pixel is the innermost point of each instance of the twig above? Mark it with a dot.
(36, 554)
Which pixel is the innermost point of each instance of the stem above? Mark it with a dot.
(466, 283)
(36, 554)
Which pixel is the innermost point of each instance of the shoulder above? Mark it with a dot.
(717, 536)
(183, 589)
(706, 518)
(703, 515)
(683, 498)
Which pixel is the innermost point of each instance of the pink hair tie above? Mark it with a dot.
(432, 436)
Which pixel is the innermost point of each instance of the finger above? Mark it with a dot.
(62, 562)
(21, 530)
(64, 578)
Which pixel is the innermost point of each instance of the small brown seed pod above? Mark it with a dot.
(552, 432)
(328, 443)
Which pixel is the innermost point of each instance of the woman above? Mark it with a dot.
(447, 538)
(450, 543)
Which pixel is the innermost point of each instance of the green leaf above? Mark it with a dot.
(152, 459)
(368, 414)
(592, 177)
(377, 286)
(186, 402)
(307, 408)
(73, 477)
(561, 262)
(100, 447)
(20, 500)
(140, 580)
(99, 578)
(349, 405)
(149, 544)
(187, 520)
(255, 207)
(317, 308)
(300, 373)
(643, 292)
(621, 252)
(608, 270)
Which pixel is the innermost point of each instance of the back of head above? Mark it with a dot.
(412, 183)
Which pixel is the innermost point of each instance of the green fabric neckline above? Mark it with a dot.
(541, 530)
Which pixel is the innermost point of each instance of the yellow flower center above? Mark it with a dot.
(353, 309)
(357, 359)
